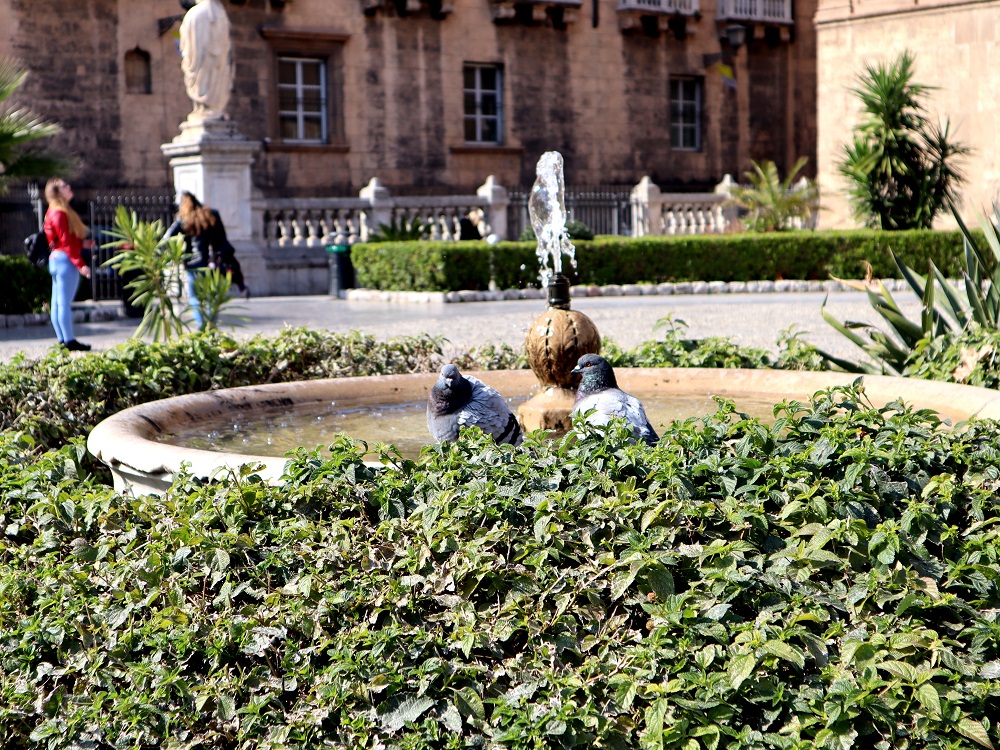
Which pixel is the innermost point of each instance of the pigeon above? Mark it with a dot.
(456, 400)
(599, 393)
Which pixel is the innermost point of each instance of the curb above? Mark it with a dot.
(87, 314)
(613, 290)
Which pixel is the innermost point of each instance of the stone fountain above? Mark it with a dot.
(559, 336)
(131, 442)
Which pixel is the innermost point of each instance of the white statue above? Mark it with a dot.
(207, 59)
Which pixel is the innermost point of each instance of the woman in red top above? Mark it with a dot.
(65, 232)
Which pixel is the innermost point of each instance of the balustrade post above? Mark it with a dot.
(496, 196)
(729, 209)
(380, 211)
(258, 232)
(643, 194)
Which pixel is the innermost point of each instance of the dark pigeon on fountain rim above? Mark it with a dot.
(456, 400)
(600, 398)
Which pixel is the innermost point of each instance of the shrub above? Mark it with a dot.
(24, 287)
(446, 266)
(22, 155)
(826, 581)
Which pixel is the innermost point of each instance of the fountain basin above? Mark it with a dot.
(128, 441)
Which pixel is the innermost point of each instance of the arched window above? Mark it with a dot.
(138, 77)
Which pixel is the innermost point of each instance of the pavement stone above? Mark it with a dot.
(750, 319)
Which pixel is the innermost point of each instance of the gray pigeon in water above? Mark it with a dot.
(599, 392)
(456, 400)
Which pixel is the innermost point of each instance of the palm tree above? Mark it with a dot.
(770, 202)
(900, 166)
(21, 156)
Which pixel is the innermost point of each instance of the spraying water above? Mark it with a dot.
(547, 210)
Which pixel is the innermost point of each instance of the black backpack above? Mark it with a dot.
(37, 247)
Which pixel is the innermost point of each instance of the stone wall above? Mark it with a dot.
(956, 46)
(595, 92)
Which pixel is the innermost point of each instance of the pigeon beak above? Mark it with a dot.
(576, 370)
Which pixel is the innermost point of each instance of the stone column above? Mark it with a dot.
(211, 160)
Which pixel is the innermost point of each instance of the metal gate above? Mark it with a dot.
(604, 211)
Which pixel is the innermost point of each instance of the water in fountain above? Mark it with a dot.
(547, 210)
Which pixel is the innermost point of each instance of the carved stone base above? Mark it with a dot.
(549, 410)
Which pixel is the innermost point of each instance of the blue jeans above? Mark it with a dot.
(199, 318)
(65, 280)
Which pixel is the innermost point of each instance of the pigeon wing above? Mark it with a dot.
(613, 402)
(488, 411)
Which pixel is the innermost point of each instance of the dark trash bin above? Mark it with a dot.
(341, 268)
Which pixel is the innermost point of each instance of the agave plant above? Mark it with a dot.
(402, 231)
(772, 203)
(944, 309)
(155, 264)
(212, 288)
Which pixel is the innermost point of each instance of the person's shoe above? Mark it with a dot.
(76, 346)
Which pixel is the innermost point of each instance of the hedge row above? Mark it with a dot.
(23, 287)
(446, 266)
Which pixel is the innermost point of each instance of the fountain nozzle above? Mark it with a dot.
(558, 291)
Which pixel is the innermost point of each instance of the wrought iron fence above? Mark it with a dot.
(149, 204)
(604, 211)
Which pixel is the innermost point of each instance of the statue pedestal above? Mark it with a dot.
(211, 159)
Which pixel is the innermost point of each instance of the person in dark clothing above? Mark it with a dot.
(207, 246)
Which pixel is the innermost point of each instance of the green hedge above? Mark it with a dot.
(23, 287)
(446, 266)
(828, 581)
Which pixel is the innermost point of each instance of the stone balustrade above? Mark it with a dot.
(654, 212)
(759, 11)
(682, 7)
(318, 222)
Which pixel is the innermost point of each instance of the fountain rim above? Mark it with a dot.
(127, 443)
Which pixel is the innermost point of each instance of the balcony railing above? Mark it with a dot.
(680, 7)
(760, 11)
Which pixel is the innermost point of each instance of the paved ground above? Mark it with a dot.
(748, 319)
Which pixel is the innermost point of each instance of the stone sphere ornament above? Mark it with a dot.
(556, 341)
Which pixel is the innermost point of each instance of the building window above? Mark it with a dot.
(138, 77)
(685, 113)
(482, 87)
(302, 100)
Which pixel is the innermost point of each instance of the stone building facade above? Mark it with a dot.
(956, 48)
(432, 96)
